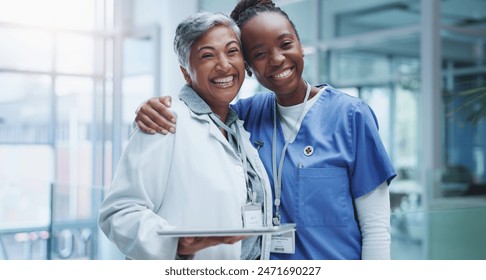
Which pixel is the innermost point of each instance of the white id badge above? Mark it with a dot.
(252, 215)
(283, 243)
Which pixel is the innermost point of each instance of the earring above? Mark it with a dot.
(248, 71)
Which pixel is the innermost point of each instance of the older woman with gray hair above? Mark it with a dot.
(202, 177)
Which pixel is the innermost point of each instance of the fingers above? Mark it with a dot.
(155, 116)
(145, 128)
(162, 105)
(232, 239)
(145, 121)
(190, 245)
(167, 100)
(215, 240)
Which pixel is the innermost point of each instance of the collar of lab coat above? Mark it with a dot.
(197, 105)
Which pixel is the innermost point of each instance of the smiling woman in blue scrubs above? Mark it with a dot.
(321, 148)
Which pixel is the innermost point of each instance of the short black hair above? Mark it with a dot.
(247, 9)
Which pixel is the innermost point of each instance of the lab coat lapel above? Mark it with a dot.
(214, 131)
(200, 111)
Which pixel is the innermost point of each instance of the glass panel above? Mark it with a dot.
(457, 234)
(24, 244)
(461, 49)
(310, 69)
(408, 229)
(390, 85)
(225, 6)
(33, 120)
(25, 108)
(74, 148)
(465, 115)
(302, 15)
(75, 54)
(355, 20)
(463, 13)
(75, 99)
(405, 149)
(323, 70)
(107, 20)
(465, 138)
(25, 49)
(350, 91)
(135, 88)
(138, 56)
(359, 68)
(75, 230)
(439, 234)
(379, 100)
(138, 77)
(139, 69)
(32, 12)
(26, 172)
(108, 140)
(74, 238)
(300, 12)
(78, 14)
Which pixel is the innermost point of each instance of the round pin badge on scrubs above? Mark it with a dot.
(308, 151)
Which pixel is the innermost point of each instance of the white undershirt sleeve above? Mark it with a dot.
(374, 220)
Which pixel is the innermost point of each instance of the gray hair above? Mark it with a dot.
(194, 27)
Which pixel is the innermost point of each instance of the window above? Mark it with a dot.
(51, 58)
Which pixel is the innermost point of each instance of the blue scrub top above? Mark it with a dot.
(348, 161)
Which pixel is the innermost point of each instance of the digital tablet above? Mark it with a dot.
(228, 232)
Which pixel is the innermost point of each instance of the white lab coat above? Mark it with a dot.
(191, 179)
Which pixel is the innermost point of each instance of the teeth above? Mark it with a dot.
(284, 74)
(224, 80)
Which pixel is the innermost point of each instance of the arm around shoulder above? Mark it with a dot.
(154, 115)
